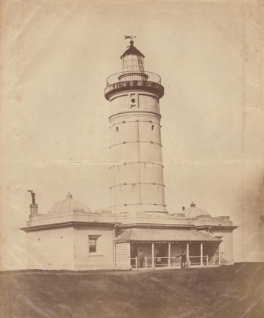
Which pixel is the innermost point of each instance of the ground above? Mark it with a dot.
(229, 291)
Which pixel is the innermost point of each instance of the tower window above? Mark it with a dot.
(117, 129)
(133, 101)
(152, 127)
(93, 243)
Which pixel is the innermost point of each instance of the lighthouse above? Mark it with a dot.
(137, 183)
(138, 231)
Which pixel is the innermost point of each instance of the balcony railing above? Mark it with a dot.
(133, 76)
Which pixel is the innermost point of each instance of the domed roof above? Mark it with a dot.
(193, 212)
(69, 206)
(132, 50)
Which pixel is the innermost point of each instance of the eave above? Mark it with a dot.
(216, 227)
(64, 224)
(153, 225)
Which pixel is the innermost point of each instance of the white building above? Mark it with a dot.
(70, 236)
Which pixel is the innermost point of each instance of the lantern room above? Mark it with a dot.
(133, 75)
(132, 59)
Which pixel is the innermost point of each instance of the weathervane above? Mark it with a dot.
(131, 37)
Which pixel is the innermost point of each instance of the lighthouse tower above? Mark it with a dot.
(137, 184)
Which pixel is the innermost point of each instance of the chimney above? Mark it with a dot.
(33, 205)
(33, 210)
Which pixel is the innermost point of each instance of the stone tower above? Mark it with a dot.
(137, 171)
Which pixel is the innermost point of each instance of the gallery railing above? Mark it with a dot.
(129, 76)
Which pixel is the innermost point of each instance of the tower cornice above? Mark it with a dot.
(135, 113)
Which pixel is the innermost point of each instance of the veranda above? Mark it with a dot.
(168, 254)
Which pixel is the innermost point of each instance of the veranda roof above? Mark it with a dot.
(165, 235)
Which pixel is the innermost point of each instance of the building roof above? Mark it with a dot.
(164, 235)
(68, 206)
(193, 212)
(132, 50)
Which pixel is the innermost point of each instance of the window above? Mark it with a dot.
(152, 127)
(133, 100)
(93, 243)
(117, 129)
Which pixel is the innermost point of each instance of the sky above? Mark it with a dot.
(55, 131)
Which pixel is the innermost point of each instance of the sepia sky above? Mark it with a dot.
(55, 133)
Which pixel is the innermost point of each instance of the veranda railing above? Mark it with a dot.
(158, 262)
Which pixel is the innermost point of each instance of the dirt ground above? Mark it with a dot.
(225, 292)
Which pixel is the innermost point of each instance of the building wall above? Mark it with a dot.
(51, 249)
(177, 248)
(122, 255)
(212, 251)
(104, 256)
(226, 246)
(137, 172)
(136, 247)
